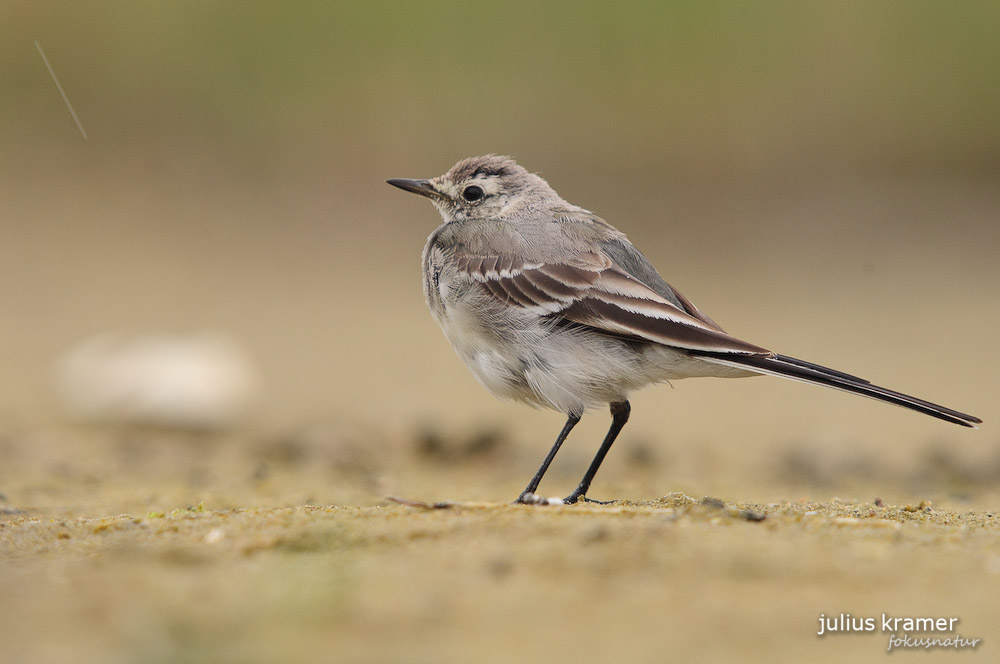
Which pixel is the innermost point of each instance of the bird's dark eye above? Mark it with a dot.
(473, 193)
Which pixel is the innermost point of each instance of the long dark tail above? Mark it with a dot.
(807, 372)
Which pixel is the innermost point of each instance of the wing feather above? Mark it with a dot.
(551, 286)
(590, 289)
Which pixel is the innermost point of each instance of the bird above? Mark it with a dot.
(548, 304)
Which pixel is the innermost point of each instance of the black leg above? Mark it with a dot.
(619, 416)
(533, 484)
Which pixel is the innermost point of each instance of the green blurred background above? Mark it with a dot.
(821, 178)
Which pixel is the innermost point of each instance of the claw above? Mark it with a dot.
(573, 498)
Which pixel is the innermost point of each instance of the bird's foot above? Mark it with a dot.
(528, 498)
(579, 497)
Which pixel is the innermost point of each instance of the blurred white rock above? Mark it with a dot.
(198, 381)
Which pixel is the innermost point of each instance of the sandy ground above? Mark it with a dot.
(144, 545)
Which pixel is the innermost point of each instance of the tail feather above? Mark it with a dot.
(807, 372)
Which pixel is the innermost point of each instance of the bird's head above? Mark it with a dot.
(487, 187)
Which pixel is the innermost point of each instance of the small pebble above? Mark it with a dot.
(712, 503)
(535, 499)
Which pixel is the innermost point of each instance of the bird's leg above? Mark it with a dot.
(619, 416)
(533, 484)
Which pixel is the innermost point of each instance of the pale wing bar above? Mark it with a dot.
(596, 293)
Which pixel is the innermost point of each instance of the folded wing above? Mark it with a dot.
(592, 290)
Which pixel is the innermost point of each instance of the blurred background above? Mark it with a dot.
(210, 306)
(820, 178)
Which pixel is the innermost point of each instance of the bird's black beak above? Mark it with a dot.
(422, 187)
